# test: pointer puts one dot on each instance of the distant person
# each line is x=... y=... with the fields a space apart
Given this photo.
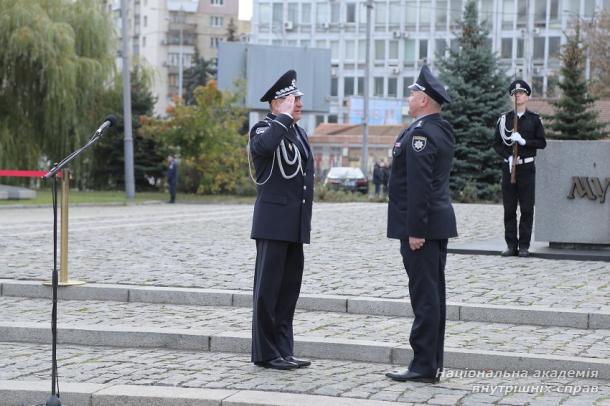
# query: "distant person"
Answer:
x=529 y=137
x=385 y=168
x=377 y=178
x=172 y=177
x=421 y=216
x=281 y=223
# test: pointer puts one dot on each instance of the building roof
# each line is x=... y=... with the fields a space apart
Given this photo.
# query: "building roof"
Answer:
x=347 y=134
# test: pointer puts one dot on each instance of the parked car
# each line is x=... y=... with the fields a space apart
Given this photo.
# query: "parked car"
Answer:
x=348 y=179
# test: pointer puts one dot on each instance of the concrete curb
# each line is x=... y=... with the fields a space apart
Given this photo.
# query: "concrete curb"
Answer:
x=307 y=346
x=532 y=315
x=19 y=393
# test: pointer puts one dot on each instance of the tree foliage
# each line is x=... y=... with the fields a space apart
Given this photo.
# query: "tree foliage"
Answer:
x=107 y=169
x=55 y=57
x=197 y=75
x=212 y=153
x=478 y=91
x=574 y=117
x=597 y=34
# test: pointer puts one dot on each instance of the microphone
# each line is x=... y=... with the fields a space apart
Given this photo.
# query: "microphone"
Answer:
x=109 y=121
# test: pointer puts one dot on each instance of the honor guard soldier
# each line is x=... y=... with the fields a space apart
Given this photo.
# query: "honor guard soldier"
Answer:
x=421 y=216
x=281 y=223
x=519 y=133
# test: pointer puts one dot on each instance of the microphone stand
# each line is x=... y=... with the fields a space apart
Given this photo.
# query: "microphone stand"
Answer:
x=53 y=399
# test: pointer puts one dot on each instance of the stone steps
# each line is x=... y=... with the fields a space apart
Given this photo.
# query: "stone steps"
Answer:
x=319 y=334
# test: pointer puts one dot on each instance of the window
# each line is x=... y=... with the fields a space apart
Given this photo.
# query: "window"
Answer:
x=406 y=82
x=487 y=12
x=215 y=41
x=348 y=87
x=508 y=14
x=334 y=83
x=278 y=16
x=335 y=8
x=362 y=51
x=410 y=14
x=519 y=48
x=539 y=48
x=264 y=12
x=145 y=21
x=350 y=13
x=540 y=13
x=554 y=47
x=506 y=50
x=306 y=13
x=172 y=80
x=423 y=48
x=456 y=11
x=395 y=12
x=379 y=49
x=360 y=86
x=589 y=8
x=393 y=49
x=322 y=13
x=424 y=15
x=293 y=12
x=305 y=43
x=537 y=85
x=392 y=87
x=350 y=49
x=441 y=47
x=522 y=13
x=334 y=50
x=378 y=88
x=441 y=15
x=216 y=2
x=143 y=41
x=409 y=51
x=216 y=21
x=380 y=11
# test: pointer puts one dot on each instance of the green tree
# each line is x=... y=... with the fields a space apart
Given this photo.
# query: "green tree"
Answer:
x=55 y=57
x=477 y=88
x=107 y=164
x=574 y=117
x=232 y=35
x=197 y=75
x=213 y=154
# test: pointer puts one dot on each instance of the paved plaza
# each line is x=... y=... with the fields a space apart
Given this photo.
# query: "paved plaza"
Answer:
x=205 y=250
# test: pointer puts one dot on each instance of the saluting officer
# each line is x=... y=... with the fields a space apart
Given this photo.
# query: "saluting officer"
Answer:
x=529 y=137
x=421 y=216
x=281 y=224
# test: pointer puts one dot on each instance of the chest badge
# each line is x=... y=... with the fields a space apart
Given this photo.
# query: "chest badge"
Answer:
x=418 y=142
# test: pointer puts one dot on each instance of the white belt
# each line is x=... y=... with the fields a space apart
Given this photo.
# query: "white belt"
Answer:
x=523 y=160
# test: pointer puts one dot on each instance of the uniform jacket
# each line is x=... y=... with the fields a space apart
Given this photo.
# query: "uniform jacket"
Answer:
x=531 y=129
x=420 y=205
x=282 y=210
x=172 y=172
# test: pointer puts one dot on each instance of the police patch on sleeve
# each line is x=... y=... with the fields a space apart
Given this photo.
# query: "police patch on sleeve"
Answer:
x=418 y=142
x=261 y=130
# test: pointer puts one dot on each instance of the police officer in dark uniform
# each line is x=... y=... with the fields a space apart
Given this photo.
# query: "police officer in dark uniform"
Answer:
x=172 y=177
x=281 y=224
x=529 y=138
x=421 y=216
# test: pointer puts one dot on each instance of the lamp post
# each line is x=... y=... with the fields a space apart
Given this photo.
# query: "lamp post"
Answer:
x=364 y=163
x=130 y=189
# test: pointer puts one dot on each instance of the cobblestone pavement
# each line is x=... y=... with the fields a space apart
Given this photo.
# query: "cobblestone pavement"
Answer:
x=324 y=377
x=208 y=246
x=474 y=336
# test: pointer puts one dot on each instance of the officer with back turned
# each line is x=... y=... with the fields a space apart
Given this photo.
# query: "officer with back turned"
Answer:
x=281 y=224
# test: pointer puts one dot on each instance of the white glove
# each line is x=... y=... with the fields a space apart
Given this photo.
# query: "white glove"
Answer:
x=518 y=138
x=510 y=164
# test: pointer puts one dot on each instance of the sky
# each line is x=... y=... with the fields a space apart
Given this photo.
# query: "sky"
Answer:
x=245 y=9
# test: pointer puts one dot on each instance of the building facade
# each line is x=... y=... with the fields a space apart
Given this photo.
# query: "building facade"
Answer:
x=167 y=34
x=526 y=34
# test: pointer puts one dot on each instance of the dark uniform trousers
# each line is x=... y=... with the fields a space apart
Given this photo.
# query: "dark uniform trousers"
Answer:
x=277 y=284
x=523 y=193
x=426 y=270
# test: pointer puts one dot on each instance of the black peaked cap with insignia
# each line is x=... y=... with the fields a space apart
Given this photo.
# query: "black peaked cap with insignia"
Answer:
x=285 y=86
x=519 y=85
x=429 y=84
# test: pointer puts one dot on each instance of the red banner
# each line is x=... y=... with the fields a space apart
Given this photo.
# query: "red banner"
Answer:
x=23 y=174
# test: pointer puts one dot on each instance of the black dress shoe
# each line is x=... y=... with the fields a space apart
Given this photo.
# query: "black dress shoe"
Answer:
x=403 y=375
x=300 y=362
x=524 y=253
x=509 y=252
x=277 y=363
